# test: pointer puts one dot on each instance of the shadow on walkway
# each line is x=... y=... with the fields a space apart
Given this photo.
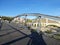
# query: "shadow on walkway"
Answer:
x=17 y=39
x=7 y=33
x=17 y=30
x=35 y=38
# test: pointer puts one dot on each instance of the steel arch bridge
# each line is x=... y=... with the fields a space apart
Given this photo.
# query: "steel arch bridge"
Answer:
x=39 y=16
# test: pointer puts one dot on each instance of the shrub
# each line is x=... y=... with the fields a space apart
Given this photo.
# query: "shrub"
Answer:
x=48 y=31
x=57 y=34
x=28 y=27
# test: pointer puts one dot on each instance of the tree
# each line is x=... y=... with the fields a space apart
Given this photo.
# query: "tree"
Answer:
x=29 y=20
x=7 y=18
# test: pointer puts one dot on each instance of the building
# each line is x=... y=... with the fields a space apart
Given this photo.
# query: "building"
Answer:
x=18 y=20
x=45 y=22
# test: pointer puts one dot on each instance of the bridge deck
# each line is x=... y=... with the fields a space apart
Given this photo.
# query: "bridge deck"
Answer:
x=12 y=34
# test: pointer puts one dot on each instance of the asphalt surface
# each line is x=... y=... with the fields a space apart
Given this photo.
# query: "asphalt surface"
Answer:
x=16 y=34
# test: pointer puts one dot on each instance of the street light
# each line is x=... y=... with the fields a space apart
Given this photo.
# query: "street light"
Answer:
x=39 y=23
x=25 y=19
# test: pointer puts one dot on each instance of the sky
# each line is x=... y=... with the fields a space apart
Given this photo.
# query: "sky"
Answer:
x=16 y=7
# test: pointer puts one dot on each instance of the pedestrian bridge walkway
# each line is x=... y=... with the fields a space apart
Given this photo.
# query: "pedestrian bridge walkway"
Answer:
x=11 y=34
x=18 y=34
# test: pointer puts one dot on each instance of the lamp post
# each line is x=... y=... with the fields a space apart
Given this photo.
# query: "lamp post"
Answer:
x=39 y=23
x=25 y=19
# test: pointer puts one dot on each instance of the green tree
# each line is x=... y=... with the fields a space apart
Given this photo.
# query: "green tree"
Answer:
x=29 y=20
x=7 y=18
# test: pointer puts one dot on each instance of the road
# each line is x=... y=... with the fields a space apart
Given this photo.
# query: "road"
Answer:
x=12 y=34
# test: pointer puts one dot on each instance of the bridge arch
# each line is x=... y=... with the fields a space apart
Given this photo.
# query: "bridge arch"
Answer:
x=39 y=17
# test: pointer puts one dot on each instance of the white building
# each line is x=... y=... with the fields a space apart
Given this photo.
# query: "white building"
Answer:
x=18 y=20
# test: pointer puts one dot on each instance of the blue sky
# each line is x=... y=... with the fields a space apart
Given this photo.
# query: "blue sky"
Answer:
x=15 y=7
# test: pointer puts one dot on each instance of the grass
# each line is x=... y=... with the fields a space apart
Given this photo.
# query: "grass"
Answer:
x=56 y=36
x=48 y=31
